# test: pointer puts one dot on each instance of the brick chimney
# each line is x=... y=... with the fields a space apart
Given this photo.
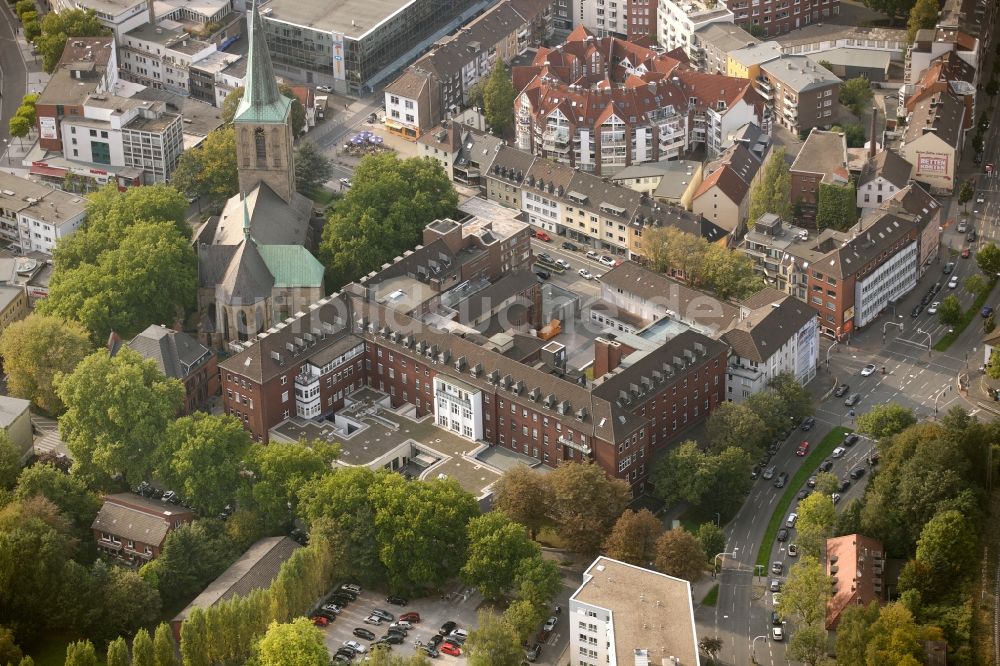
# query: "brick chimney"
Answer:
x=871 y=136
x=152 y=12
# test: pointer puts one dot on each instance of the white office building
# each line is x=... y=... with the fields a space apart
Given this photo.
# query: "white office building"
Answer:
x=679 y=19
x=894 y=278
x=458 y=407
x=34 y=216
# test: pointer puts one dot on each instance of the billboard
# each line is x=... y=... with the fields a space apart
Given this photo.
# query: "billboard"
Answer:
x=47 y=128
x=932 y=164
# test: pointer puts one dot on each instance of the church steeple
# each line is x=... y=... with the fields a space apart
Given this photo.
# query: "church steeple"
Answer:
x=262 y=101
x=263 y=121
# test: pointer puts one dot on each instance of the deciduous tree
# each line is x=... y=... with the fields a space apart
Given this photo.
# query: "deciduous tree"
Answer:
x=733 y=424
x=298 y=643
x=312 y=168
x=977 y=285
x=679 y=554
x=117 y=654
x=143 y=653
x=837 y=207
x=498 y=100
x=585 y=504
x=538 y=581
x=803 y=598
x=10 y=462
x=493 y=643
x=57 y=27
x=69 y=493
x=202 y=458
x=798 y=405
x=817 y=516
x=965 y=194
x=497 y=546
x=35 y=350
x=117 y=410
x=279 y=471
x=771 y=408
x=127 y=602
x=885 y=420
x=827 y=483
x=712 y=539
x=10 y=652
x=80 y=653
x=209 y=170
x=988 y=259
x=894 y=8
x=895 y=638
x=947 y=545
x=808 y=645
x=633 y=538
x=523 y=617
x=950 y=310
x=164 y=647
x=383 y=214
x=18 y=126
x=524 y=495
x=854 y=632
x=729 y=274
x=856 y=95
x=923 y=14
x=772 y=194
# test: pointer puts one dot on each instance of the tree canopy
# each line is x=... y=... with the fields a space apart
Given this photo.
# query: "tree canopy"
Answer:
x=679 y=554
x=804 y=595
x=312 y=168
x=117 y=410
x=278 y=472
x=633 y=538
x=497 y=546
x=494 y=642
x=524 y=495
x=923 y=14
x=209 y=170
x=817 y=516
x=585 y=504
x=297 y=643
x=383 y=214
x=856 y=94
x=988 y=259
x=498 y=99
x=715 y=483
x=57 y=27
x=729 y=274
x=837 y=207
x=885 y=420
x=736 y=425
x=772 y=194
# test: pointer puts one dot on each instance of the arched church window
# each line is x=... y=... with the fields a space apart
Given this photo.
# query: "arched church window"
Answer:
x=260 y=145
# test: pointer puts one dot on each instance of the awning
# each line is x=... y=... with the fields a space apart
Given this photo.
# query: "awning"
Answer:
x=52 y=172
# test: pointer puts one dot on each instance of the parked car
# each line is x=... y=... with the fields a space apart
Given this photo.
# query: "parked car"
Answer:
x=325 y=89
x=542 y=274
x=777 y=634
x=917 y=309
x=327 y=614
x=447 y=627
x=398 y=630
x=841 y=390
x=435 y=640
x=550 y=623
x=364 y=633
x=412 y=617
x=845 y=483
x=768 y=473
x=868 y=370
x=934 y=307
x=807 y=423
x=775 y=585
x=341 y=659
x=533 y=653
x=563 y=264
x=385 y=615
x=802 y=494
x=835 y=497
x=373 y=620
x=838 y=452
x=347 y=652
x=826 y=465
x=396 y=601
x=429 y=650
x=948 y=268
x=790 y=521
x=401 y=624
x=987 y=311
x=460 y=634
x=775 y=619
x=793 y=550
x=607 y=261
x=811 y=482
x=755 y=472
x=803 y=449
x=351 y=591
x=777 y=568
x=333 y=608
x=857 y=472
x=593 y=256
x=781 y=480
x=852 y=399
x=585 y=274
x=953 y=282
x=356 y=646
x=542 y=236
x=320 y=620
x=963 y=226
x=782 y=535
x=451 y=648
x=850 y=440
x=544 y=256
x=393 y=638
x=966 y=252
x=971 y=236
x=569 y=246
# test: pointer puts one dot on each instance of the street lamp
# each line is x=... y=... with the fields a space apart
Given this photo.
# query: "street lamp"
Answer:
x=715 y=559
x=718 y=515
x=753 y=648
x=830 y=349
x=923 y=332
x=891 y=323
x=6 y=149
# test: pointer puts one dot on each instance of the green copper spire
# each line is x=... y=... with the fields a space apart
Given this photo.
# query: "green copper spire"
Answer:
x=262 y=101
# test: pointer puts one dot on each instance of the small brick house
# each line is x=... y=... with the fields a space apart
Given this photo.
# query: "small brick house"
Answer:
x=133 y=528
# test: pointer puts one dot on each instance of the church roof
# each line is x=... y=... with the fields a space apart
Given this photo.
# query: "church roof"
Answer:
x=247 y=279
x=262 y=101
x=292 y=266
x=272 y=220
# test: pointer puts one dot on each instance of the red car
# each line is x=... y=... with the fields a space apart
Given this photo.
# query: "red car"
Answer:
x=542 y=236
x=803 y=449
x=320 y=621
x=409 y=617
x=450 y=648
x=965 y=253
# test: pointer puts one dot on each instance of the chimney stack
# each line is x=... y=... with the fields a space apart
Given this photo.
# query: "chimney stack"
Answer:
x=152 y=12
x=871 y=139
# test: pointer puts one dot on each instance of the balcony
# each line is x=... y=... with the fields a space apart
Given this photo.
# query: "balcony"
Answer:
x=582 y=448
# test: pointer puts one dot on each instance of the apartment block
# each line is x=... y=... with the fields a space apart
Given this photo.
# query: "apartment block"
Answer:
x=33 y=217
x=711 y=45
x=802 y=94
x=768 y=19
x=933 y=138
x=161 y=55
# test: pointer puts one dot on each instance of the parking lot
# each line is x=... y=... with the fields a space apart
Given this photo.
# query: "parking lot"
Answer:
x=459 y=607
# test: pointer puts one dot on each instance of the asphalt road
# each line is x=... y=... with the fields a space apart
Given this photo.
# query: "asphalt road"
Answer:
x=13 y=75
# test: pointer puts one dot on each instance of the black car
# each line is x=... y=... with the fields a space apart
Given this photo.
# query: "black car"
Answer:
x=429 y=650
x=845 y=483
x=857 y=472
x=971 y=236
x=808 y=423
x=436 y=640
x=775 y=619
x=448 y=627
x=781 y=480
x=927 y=298
x=393 y=638
x=364 y=633
x=802 y=494
x=826 y=465
x=851 y=440
x=812 y=481
x=341 y=659
x=340 y=599
x=398 y=630
x=346 y=652
x=350 y=594
x=569 y=246
x=936 y=288
x=917 y=309
x=841 y=390
x=396 y=601
x=546 y=258
x=782 y=535
x=543 y=275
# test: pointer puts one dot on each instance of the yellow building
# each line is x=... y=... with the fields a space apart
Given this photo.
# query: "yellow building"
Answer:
x=13 y=305
x=745 y=63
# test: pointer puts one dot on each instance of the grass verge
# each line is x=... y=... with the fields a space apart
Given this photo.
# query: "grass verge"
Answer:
x=967 y=317
x=809 y=465
x=694 y=518
x=712 y=597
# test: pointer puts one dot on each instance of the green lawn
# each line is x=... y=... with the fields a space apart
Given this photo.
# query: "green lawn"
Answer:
x=967 y=318
x=712 y=597
x=322 y=196
x=694 y=518
x=809 y=465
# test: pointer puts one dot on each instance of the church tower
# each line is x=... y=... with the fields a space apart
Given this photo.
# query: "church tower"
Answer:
x=263 y=122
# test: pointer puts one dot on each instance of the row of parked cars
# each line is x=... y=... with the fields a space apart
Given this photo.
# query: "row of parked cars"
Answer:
x=339 y=599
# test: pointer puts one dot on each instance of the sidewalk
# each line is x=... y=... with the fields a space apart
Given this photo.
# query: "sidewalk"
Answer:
x=35 y=81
